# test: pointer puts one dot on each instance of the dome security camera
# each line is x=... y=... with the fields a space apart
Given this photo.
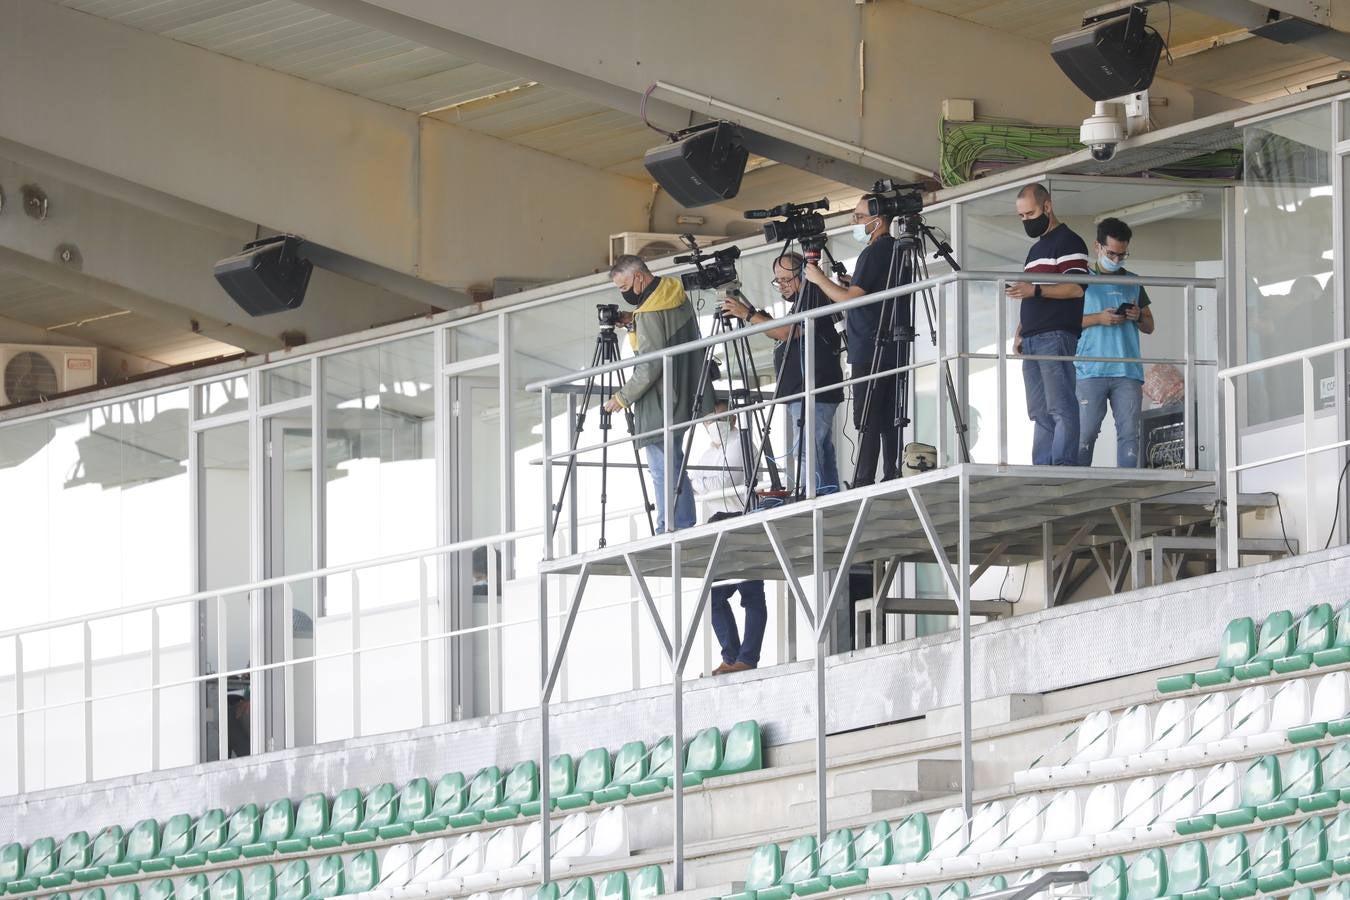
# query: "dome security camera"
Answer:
x=1101 y=132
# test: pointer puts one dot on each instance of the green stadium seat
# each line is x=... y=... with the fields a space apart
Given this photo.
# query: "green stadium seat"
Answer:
x=243 y=829
x=1338 y=843
x=800 y=864
x=838 y=863
x=991 y=884
x=703 y=757
x=1316 y=630
x=922 y=893
x=39 y=863
x=1336 y=771
x=1147 y=877
x=362 y=872
x=912 y=839
x=1270 y=860
x=260 y=883
x=1276 y=641
x=593 y=773
x=311 y=820
x=485 y=792
x=159 y=889
x=1108 y=881
x=1236 y=647
x=325 y=877
x=72 y=856
x=414 y=803
x=11 y=864
x=764 y=872
x=649 y=882
x=1188 y=873
x=1230 y=867
x=229 y=885
x=348 y=810
x=549 y=891
x=195 y=887
x=1308 y=851
x=449 y=801
x=293 y=881
x=581 y=889
x=613 y=886
x=278 y=821
x=206 y=835
x=522 y=786
x=744 y=751
x=381 y=806
x=1300 y=775
x=1338 y=652
x=1260 y=785
x=142 y=845
x=174 y=840
x=1338 y=891
x=126 y=892
x=957 y=890
x=660 y=769
x=875 y=846
x=561 y=779
x=108 y=848
x=94 y=894
x=630 y=765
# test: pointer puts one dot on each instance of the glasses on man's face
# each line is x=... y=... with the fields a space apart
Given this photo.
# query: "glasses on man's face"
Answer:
x=861 y=217
x=783 y=281
x=1116 y=257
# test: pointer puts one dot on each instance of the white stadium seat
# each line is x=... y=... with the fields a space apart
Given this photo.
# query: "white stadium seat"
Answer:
x=1101 y=812
x=1131 y=736
x=1219 y=790
x=1331 y=699
x=501 y=850
x=1180 y=797
x=609 y=835
x=1171 y=731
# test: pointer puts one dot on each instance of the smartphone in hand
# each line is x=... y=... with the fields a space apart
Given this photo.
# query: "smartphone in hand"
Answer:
x=1123 y=308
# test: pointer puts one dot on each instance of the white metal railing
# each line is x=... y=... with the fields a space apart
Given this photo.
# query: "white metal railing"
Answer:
x=1234 y=466
x=671 y=431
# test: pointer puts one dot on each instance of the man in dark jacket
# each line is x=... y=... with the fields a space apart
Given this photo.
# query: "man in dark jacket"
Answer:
x=664 y=318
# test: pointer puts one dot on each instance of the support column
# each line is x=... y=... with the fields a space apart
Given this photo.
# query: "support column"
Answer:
x=677 y=699
x=822 y=578
x=963 y=602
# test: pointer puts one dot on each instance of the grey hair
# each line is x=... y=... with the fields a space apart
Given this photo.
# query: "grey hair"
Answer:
x=1036 y=191
x=628 y=264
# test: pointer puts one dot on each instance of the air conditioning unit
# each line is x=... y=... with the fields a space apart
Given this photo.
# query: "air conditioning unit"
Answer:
x=31 y=372
x=654 y=246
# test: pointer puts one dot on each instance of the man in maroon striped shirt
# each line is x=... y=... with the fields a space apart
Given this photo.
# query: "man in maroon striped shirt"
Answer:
x=1051 y=320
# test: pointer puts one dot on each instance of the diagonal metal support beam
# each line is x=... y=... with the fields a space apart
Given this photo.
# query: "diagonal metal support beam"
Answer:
x=934 y=540
x=794 y=583
x=555 y=665
x=989 y=559
x=841 y=575
x=695 y=620
x=648 y=602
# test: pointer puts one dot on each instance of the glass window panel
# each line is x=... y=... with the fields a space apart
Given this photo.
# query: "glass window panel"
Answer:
x=286 y=382
x=228 y=395
x=472 y=339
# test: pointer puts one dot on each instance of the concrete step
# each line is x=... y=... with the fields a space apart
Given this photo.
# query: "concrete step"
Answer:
x=985 y=713
x=859 y=803
x=922 y=778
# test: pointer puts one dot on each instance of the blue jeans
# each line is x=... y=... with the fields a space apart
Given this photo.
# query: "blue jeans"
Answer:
x=827 y=463
x=1051 y=401
x=724 y=621
x=684 y=500
x=1126 y=397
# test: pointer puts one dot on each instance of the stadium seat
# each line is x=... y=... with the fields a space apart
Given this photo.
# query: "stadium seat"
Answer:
x=1022 y=829
x=141 y=847
x=1101 y=812
x=1147 y=876
x=1236 y=647
x=108 y=849
x=1330 y=707
x=207 y=834
x=1250 y=721
x=1092 y=743
x=1171 y=731
x=72 y=855
x=522 y=786
x=465 y=857
x=1219 y=792
x=613 y=886
x=571 y=838
x=988 y=827
x=608 y=835
x=800 y=864
x=228 y=885
x=400 y=865
x=1276 y=641
x=1179 y=799
x=1260 y=785
x=11 y=864
x=630 y=765
x=660 y=770
x=957 y=890
x=949 y=834
x=1131 y=736
x=1315 y=633
x=347 y=813
x=912 y=839
x=1270 y=860
x=1108 y=880
x=1210 y=726
x=649 y=882
x=260 y=883
x=1061 y=820
x=311 y=820
x=92 y=894
x=1308 y=851
x=549 y=891
x=703 y=756
x=450 y=796
x=1338 y=843
x=380 y=808
x=1230 y=868
x=580 y=889
x=1339 y=651
x=836 y=866
x=194 y=887
x=412 y=806
x=593 y=773
x=1138 y=813
x=875 y=846
x=1188 y=872
x=326 y=878
x=293 y=881
x=744 y=749
x=484 y=792
x=764 y=872
x=361 y=873
x=241 y=830
x=1336 y=772
x=562 y=775
x=278 y=821
x=159 y=889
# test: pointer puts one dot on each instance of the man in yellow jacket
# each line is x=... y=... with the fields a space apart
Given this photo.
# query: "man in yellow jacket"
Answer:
x=664 y=318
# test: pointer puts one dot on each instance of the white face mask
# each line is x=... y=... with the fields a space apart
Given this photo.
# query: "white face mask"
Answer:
x=719 y=433
x=861 y=232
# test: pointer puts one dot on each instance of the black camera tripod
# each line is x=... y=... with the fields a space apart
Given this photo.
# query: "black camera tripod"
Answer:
x=753 y=421
x=896 y=328
x=609 y=382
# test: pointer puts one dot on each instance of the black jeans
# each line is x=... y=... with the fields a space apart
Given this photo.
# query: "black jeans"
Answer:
x=878 y=435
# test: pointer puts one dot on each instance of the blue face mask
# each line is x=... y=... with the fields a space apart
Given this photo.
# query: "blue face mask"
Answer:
x=1107 y=264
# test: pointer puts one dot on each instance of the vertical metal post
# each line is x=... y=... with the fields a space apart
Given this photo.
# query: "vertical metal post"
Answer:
x=1048 y=562
x=1136 y=533
x=668 y=446
x=288 y=649
x=545 y=798
x=356 y=654
x=222 y=683
x=1188 y=381
x=1309 y=441
x=1338 y=312
x=677 y=698
x=961 y=302
x=822 y=592
x=423 y=645
x=963 y=601
x=19 y=719
x=1001 y=376
x=87 y=670
x=1230 y=451
x=154 y=690
x=939 y=374
x=808 y=429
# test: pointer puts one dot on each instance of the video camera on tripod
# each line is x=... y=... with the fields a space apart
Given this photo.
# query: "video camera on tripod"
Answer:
x=711 y=270
x=802 y=222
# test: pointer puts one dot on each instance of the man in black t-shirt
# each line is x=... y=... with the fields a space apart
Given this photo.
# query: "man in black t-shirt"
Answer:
x=788 y=358
x=874 y=406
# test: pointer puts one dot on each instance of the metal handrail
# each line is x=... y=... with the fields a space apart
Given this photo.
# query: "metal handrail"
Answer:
x=1284 y=359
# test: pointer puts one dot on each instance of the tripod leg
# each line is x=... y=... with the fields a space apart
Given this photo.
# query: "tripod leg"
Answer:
x=597 y=358
x=704 y=379
x=647 y=505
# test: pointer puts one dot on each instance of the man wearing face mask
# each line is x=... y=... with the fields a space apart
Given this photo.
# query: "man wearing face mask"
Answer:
x=878 y=435
x=1113 y=317
x=664 y=318
x=1050 y=322
x=789 y=356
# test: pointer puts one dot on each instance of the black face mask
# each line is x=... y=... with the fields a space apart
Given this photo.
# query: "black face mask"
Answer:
x=637 y=298
x=633 y=298
x=1037 y=226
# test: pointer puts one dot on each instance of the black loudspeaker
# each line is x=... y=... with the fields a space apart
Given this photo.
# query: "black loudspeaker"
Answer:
x=704 y=166
x=1112 y=58
x=267 y=276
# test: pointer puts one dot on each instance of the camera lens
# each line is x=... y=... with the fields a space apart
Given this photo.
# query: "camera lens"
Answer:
x=794 y=228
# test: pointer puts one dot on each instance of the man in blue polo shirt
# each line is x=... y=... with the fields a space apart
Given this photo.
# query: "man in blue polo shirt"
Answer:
x=1051 y=319
x=1113 y=317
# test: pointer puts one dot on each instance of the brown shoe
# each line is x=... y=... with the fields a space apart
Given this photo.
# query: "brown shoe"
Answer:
x=723 y=669
x=738 y=666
